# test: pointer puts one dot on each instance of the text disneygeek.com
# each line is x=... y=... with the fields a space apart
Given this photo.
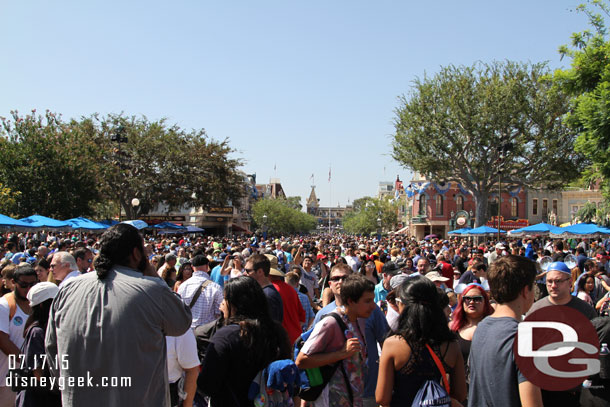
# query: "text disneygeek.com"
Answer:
x=18 y=362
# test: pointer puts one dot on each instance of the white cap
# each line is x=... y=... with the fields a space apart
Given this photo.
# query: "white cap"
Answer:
x=500 y=246
x=435 y=276
x=41 y=292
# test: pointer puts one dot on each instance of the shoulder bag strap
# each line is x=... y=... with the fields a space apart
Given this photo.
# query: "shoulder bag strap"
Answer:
x=198 y=293
x=343 y=328
x=440 y=368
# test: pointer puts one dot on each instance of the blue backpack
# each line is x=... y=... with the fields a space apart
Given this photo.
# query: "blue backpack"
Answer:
x=314 y=380
x=431 y=393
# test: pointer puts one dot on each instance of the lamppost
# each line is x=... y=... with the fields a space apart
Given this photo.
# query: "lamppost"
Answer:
x=502 y=151
x=379 y=227
x=265 y=226
x=135 y=202
x=119 y=137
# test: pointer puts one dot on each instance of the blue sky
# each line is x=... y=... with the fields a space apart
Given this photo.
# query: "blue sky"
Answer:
x=294 y=85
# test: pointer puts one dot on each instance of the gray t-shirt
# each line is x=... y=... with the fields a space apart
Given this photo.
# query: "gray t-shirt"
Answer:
x=575 y=302
x=494 y=376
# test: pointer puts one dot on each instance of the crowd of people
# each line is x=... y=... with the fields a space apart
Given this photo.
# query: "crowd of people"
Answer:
x=192 y=319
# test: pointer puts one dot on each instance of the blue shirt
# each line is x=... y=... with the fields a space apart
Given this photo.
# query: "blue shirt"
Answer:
x=380 y=292
x=309 y=314
x=376 y=328
x=217 y=278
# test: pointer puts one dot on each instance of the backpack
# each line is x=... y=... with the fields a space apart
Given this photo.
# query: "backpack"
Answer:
x=431 y=393
x=314 y=380
x=204 y=333
x=275 y=385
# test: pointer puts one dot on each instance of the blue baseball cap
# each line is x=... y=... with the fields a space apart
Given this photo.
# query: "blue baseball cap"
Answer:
x=559 y=266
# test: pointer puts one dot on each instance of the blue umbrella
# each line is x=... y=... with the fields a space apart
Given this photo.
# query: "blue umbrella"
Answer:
x=168 y=225
x=483 y=231
x=8 y=221
x=108 y=222
x=538 y=229
x=38 y=221
x=581 y=230
x=138 y=224
x=459 y=231
x=87 y=224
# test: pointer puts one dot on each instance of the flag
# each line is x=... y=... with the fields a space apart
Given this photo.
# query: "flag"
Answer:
x=328 y=174
x=311 y=178
x=274 y=167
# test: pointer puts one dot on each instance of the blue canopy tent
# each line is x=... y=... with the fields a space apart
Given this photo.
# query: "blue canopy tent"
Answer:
x=108 y=222
x=538 y=229
x=7 y=221
x=169 y=225
x=138 y=224
x=85 y=224
x=459 y=231
x=581 y=230
x=188 y=229
x=38 y=221
x=483 y=231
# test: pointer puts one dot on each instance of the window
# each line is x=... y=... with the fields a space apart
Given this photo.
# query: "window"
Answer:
x=545 y=207
x=439 y=205
x=555 y=210
x=514 y=208
x=422 y=204
x=534 y=207
x=459 y=203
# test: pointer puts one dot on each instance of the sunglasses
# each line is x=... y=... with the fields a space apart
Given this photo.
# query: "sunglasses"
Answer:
x=23 y=284
x=248 y=271
x=476 y=298
x=338 y=278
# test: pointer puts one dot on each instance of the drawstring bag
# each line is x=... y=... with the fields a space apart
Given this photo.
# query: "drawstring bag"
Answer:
x=431 y=393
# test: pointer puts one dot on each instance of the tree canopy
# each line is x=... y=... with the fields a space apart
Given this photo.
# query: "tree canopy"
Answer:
x=83 y=167
x=362 y=219
x=282 y=218
x=588 y=82
x=465 y=124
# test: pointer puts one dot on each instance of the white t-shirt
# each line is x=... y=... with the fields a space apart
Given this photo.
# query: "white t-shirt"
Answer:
x=181 y=354
x=14 y=329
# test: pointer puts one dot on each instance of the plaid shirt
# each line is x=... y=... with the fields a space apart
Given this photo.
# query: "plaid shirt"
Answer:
x=206 y=308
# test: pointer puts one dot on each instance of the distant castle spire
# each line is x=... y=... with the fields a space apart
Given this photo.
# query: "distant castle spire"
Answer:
x=312 y=201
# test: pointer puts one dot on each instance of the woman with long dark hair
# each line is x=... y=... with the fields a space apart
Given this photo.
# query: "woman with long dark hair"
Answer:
x=184 y=273
x=40 y=296
x=406 y=362
x=369 y=270
x=248 y=342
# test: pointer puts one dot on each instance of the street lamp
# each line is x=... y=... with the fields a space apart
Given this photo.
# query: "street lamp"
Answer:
x=265 y=226
x=379 y=227
x=119 y=137
x=135 y=202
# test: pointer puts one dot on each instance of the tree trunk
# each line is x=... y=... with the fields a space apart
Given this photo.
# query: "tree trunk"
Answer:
x=480 y=201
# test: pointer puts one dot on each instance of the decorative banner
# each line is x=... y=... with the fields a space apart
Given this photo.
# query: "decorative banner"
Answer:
x=462 y=190
x=440 y=190
x=423 y=188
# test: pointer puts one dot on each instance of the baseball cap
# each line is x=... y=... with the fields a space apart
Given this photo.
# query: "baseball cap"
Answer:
x=199 y=260
x=435 y=276
x=41 y=292
x=500 y=246
x=559 y=266
x=398 y=280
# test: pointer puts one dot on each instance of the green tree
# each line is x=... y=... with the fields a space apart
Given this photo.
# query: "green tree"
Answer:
x=588 y=82
x=363 y=218
x=50 y=163
x=8 y=200
x=281 y=218
x=467 y=123
x=162 y=165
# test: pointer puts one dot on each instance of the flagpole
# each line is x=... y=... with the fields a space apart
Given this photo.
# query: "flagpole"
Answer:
x=330 y=191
